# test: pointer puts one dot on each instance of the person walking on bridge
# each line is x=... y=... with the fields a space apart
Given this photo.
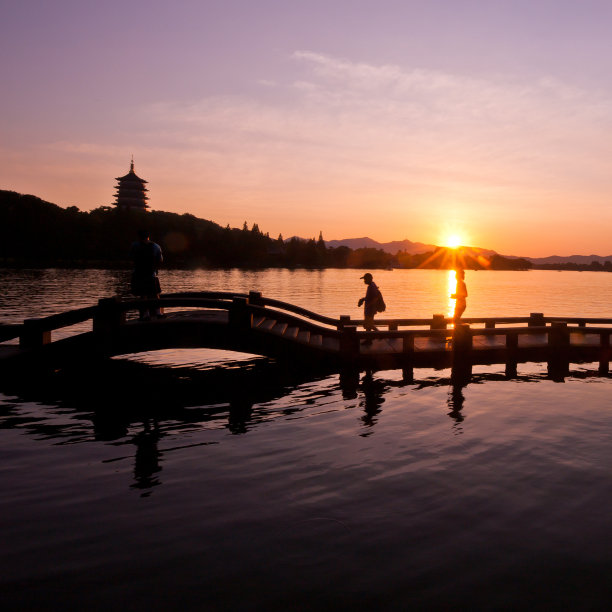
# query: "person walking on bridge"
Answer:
x=370 y=302
x=460 y=295
x=147 y=257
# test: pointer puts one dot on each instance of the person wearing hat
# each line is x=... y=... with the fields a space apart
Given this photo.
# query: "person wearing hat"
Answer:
x=370 y=302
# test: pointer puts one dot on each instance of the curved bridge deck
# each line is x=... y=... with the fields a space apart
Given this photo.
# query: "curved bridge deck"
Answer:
x=251 y=323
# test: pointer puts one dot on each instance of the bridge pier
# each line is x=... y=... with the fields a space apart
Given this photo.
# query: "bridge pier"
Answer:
x=558 y=342
x=408 y=359
x=461 y=368
x=349 y=344
x=511 y=355
x=604 y=353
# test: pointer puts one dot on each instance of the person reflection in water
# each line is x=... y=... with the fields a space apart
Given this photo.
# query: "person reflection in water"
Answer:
x=373 y=392
x=147 y=456
x=460 y=295
x=147 y=257
x=370 y=301
x=455 y=403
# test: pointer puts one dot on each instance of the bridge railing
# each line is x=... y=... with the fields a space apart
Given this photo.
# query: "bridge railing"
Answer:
x=37 y=331
x=112 y=311
x=437 y=321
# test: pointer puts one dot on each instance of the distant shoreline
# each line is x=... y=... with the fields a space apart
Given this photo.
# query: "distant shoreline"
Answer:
x=127 y=266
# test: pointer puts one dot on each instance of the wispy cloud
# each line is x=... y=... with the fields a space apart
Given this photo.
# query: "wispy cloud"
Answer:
x=378 y=123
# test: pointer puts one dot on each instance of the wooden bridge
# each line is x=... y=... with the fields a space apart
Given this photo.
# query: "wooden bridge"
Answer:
x=251 y=323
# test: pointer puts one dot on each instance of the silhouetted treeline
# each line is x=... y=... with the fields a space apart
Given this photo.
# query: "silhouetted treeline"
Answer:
x=594 y=266
x=464 y=257
x=40 y=234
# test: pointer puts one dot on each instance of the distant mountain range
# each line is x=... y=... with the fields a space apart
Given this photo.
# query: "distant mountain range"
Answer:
x=393 y=247
x=414 y=248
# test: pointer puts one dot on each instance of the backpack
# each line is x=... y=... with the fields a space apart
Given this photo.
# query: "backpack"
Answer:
x=380 y=303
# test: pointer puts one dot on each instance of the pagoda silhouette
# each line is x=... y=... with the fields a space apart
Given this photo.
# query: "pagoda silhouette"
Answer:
x=131 y=191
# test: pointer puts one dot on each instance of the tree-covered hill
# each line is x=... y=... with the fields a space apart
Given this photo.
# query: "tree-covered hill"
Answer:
x=36 y=233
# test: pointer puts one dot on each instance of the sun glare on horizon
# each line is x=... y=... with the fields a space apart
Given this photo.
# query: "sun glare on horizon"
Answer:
x=453 y=241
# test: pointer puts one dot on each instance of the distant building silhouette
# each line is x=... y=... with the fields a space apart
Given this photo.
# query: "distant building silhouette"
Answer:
x=131 y=191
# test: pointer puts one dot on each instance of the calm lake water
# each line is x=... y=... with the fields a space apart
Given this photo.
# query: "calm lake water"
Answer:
x=201 y=480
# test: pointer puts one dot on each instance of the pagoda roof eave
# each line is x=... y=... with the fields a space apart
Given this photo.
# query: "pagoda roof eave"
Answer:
x=131 y=176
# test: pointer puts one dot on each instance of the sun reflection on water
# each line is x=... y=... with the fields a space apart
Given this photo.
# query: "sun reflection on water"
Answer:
x=451 y=283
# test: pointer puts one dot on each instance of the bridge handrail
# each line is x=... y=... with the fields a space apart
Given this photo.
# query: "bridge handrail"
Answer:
x=49 y=323
x=448 y=332
x=495 y=331
x=257 y=300
x=174 y=302
x=214 y=295
x=339 y=323
x=10 y=331
x=309 y=314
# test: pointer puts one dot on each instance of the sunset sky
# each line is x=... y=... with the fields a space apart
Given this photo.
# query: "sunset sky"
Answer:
x=487 y=119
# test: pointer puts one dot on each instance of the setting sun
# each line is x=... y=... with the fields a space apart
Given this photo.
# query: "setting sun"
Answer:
x=453 y=241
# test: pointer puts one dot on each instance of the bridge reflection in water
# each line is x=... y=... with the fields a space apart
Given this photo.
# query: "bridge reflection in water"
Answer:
x=236 y=399
x=307 y=341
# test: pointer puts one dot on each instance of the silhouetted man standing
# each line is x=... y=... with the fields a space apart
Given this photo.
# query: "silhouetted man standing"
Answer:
x=147 y=257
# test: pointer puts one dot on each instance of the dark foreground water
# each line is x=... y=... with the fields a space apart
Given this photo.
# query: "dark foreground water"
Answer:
x=237 y=486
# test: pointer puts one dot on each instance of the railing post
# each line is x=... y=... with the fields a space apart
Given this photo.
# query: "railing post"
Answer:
x=511 y=355
x=254 y=297
x=489 y=324
x=461 y=369
x=536 y=319
x=345 y=320
x=558 y=348
x=408 y=359
x=604 y=352
x=33 y=334
x=240 y=317
x=438 y=322
x=108 y=316
x=393 y=326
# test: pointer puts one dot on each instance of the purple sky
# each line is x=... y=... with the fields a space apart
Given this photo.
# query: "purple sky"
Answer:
x=393 y=119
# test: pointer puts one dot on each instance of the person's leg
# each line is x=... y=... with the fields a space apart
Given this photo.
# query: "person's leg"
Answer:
x=144 y=314
x=368 y=324
x=459 y=310
x=159 y=313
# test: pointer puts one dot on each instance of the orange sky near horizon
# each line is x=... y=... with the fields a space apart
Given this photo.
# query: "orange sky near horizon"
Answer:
x=393 y=124
x=540 y=225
